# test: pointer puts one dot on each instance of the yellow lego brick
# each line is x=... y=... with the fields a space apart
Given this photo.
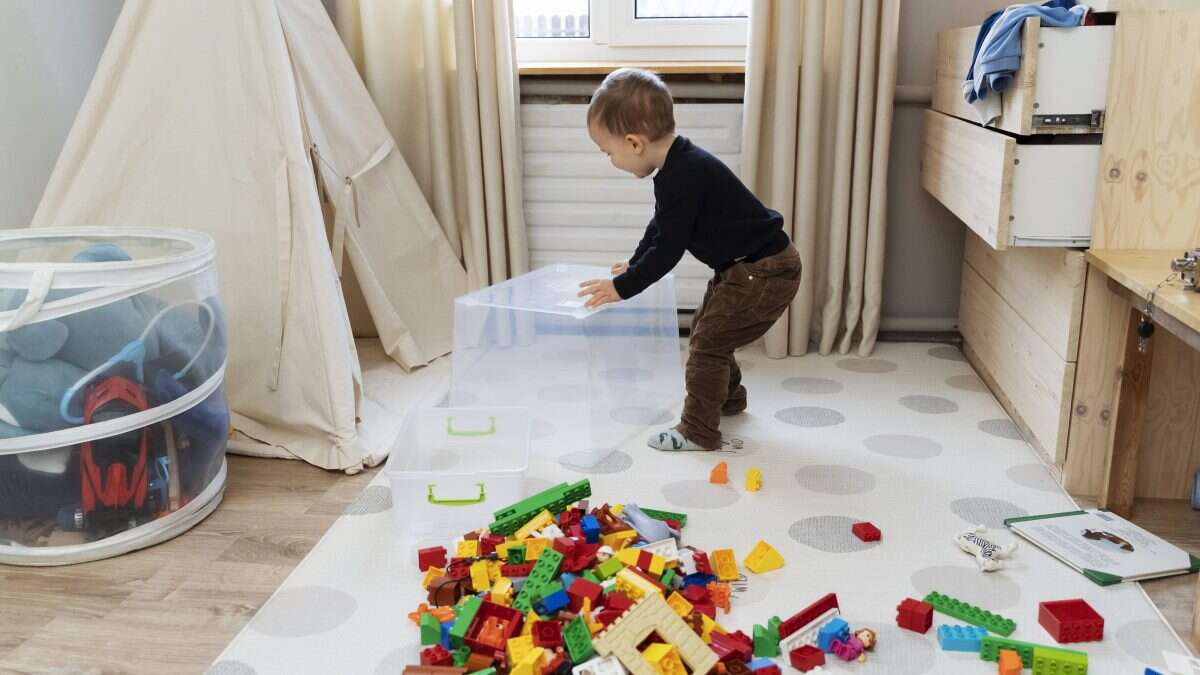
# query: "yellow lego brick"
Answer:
x=502 y=549
x=618 y=540
x=708 y=627
x=763 y=558
x=680 y=604
x=467 y=548
x=593 y=625
x=617 y=509
x=629 y=556
x=664 y=658
x=479 y=576
x=518 y=647
x=431 y=574
x=725 y=564
x=534 y=548
x=536 y=523
x=530 y=664
x=502 y=591
x=753 y=480
x=527 y=625
x=629 y=583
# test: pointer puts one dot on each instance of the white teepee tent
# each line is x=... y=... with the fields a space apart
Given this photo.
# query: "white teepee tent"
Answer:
x=248 y=121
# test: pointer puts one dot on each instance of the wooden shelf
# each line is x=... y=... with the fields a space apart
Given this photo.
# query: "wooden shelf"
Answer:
x=660 y=67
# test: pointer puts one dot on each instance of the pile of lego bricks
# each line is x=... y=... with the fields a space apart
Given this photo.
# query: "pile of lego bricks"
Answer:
x=552 y=587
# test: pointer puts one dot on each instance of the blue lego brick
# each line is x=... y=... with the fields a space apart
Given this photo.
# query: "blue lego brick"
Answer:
x=591 y=529
x=567 y=579
x=551 y=603
x=1151 y=671
x=698 y=580
x=446 y=635
x=760 y=662
x=960 y=638
x=837 y=629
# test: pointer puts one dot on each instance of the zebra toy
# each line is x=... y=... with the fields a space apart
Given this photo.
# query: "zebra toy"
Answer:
x=988 y=554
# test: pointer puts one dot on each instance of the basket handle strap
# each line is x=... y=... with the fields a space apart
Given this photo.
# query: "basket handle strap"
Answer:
x=39 y=287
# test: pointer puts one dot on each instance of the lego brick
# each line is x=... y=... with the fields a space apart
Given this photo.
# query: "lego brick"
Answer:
x=547 y=634
x=467 y=548
x=1009 y=663
x=732 y=645
x=809 y=614
x=581 y=589
x=609 y=665
x=635 y=585
x=991 y=645
x=719 y=474
x=679 y=604
x=430 y=575
x=554 y=500
x=489 y=542
x=1053 y=661
x=766 y=640
x=1071 y=621
x=914 y=615
x=436 y=656
x=444 y=640
x=591 y=529
x=806 y=657
x=434 y=556
x=667 y=549
x=493 y=627
x=725 y=564
x=431 y=630
x=502 y=591
x=758 y=663
x=518 y=647
x=668 y=578
x=466 y=616
x=971 y=614
x=960 y=638
x=701 y=562
x=753 y=480
x=653 y=614
x=866 y=531
x=659 y=514
x=460 y=656
x=516 y=554
x=578 y=640
x=617 y=600
x=480 y=581
x=534 y=548
x=530 y=663
x=479 y=662
x=619 y=539
x=664 y=658
x=836 y=629
x=537 y=522
x=516 y=571
x=554 y=599
x=432 y=670
x=763 y=558
x=542 y=574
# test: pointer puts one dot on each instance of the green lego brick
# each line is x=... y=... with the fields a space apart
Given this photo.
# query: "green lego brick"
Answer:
x=544 y=571
x=659 y=514
x=461 y=655
x=516 y=554
x=1053 y=661
x=554 y=500
x=668 y=578
x=431 y=630
x=990 y=646
x=609 y=568
x=971 y=614
x=591 y=576
x=465 y=615
x=578 y=640
x=763 y=644
x=485 y=671
x=774 y=625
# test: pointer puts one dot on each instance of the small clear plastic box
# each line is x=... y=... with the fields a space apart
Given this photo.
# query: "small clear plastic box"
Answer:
x=592 y=379
x=452 y=468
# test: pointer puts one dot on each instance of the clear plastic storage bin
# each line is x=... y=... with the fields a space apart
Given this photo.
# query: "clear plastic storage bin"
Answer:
x=592 y=379
x=113 y=420
x=452 y=468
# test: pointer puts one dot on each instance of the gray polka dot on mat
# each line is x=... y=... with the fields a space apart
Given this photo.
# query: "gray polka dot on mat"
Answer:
x=1033 y=476
x=810 y=416
x=835 y=480
x=904 y=446
x=304 y=611
x=993 y=591
x=563 y=393
x=1145 y=641
x=967 y=383
x=947 y=353
x=1001 y=427
x=812 y=385
x=640 y=416
x=540 y=429
x=396 y=660
x=700 y=494
x=985 y=511
x=589 y=462
x=627 y=375
x=374 y=499
x=897 y=651
x=928 y=405
x=230 y=667
x=867 y=365
x=830 y=534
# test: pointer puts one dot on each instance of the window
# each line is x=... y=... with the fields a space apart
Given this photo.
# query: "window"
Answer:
x=631 y=30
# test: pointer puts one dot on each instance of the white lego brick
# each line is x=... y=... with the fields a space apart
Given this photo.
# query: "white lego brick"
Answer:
x=664 y=548
x=609 y=665
x=807 y=634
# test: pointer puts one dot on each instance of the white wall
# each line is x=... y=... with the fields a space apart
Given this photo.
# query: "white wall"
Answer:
x=924 y=240
x=48 y=54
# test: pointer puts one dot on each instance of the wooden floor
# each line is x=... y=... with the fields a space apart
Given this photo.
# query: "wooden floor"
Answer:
x=174 y=607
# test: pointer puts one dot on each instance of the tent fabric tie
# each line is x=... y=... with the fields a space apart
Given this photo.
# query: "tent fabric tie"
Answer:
x=346 y=207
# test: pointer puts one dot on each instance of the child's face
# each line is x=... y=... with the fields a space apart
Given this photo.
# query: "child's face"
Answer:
x=627 y=153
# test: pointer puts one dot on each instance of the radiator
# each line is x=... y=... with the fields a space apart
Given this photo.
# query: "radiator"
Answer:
x=580 y=209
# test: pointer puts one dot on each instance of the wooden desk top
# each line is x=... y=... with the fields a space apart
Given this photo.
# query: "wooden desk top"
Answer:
x=1141 y=270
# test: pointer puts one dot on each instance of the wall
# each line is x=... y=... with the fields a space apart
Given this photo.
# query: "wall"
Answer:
x=924 y=240
x=48 y=54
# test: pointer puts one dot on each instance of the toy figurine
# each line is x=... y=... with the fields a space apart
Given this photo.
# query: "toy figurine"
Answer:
x=867 y=637
x=988 y=554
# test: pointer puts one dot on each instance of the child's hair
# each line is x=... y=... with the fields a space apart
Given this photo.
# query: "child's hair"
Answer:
x=633 y=101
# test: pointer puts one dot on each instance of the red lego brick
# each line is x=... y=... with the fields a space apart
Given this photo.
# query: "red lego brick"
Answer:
x=809 y=614
x=734 y=645
x=492 y=627
x=914 y=615
x=1071 y=621
x=768 y=670
x=696 y=593
x=582 y=588
x=459 y=572
x=700 y=559
x=434 y=556
x=489 y=542
x=617 y=600
x=547 y=634
x=565 y=546
x=866 y=531
x=584 y=555
x=806 y=657
x=607 y=616
x=555 y=665
x=436 y=656
x=707 y=608
x=521 y=570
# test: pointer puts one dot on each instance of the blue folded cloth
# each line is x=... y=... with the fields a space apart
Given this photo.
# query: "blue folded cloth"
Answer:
x=998 y=50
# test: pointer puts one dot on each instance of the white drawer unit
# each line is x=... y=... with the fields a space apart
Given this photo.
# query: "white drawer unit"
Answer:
x=1061 y=86
x=1009 y=191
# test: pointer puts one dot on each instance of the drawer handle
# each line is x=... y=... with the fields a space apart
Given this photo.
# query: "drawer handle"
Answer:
x=491 y=429
x=456 y=502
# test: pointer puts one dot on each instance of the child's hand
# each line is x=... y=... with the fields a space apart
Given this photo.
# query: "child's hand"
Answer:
x=602 y=292
x=619 y=268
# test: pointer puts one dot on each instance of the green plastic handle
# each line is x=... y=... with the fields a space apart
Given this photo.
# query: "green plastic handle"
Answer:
x=457 y=502
x=485 y=432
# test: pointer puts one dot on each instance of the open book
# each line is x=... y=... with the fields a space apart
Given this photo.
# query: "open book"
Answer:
x=1103 y=546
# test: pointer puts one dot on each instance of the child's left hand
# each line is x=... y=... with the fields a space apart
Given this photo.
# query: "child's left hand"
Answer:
x=602 y=292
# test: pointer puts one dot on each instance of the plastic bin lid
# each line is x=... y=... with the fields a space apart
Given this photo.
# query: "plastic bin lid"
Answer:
x=553 y=289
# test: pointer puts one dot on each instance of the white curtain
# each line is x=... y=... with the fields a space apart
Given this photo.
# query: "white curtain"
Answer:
x=820 y=78
x=444 y=75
